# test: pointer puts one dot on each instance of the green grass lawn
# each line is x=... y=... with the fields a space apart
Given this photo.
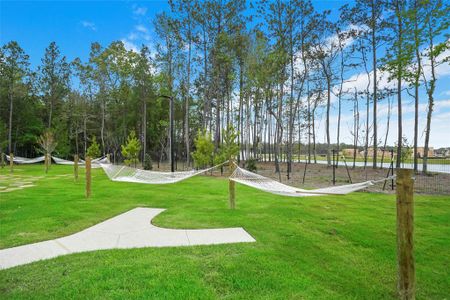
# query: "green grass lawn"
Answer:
x=328 y=247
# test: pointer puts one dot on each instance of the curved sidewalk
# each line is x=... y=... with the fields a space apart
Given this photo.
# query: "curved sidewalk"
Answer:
x=132 y=229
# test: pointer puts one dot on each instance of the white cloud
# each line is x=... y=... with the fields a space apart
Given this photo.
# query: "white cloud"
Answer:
x=141 y=28
x=360 y=81
x=139 y=10
x=89 y=25
x=133 y=36
x=130 y=46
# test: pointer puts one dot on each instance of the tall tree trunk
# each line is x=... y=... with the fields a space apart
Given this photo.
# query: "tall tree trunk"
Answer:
x=144 y=128
x=366 y=145
x=328 y=120
x=11 y=97
x=416 y=85
x=375 y=96
x=399 y=84
x=387 y=130
x=430 y=93
x=188 y=94
x=355 y=128
x=241 y=100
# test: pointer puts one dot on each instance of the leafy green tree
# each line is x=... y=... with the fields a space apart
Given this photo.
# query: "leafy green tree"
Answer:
x=204 y=150
x=54 y=75
x=436 y=23
x=13 y=68
x=229 y=149
x=94 y=149
x=131 y=149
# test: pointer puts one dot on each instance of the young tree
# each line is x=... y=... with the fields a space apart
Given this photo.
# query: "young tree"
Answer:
x=230 y=146
x=131 y=149
x=204 y=150
x=436 y=23
x=48 y=143
x=414 y=34
x=144 y=84
x=368 y=15
x=94 y=149
x=396 y=64
x=326 y=51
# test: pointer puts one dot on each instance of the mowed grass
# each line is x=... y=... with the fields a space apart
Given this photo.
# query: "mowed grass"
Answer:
x=328 y=247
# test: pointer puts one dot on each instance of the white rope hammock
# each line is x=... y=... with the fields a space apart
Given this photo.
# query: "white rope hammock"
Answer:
x=95 y=163
x=271 y=186
x=129 y=174
x=59 y=161
x=24 y=160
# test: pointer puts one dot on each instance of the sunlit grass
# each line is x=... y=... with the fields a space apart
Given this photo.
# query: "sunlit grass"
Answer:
x=330 y=247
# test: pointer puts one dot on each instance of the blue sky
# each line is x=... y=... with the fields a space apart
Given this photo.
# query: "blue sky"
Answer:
x=74 y=25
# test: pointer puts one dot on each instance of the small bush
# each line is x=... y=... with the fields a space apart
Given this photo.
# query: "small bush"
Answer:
x=250 y=165
x=94 y=149
x=148 y=164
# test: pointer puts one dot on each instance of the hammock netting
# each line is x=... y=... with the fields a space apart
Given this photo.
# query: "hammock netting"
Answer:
x=59 y=161
x=24 y=160
x=271 y=186
x=129 y=174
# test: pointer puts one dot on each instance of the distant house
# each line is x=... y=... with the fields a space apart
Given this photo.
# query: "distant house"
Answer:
x=421 y=151
x=442 y=152
x=360 y=153
x=349 y=152
x=387 y=153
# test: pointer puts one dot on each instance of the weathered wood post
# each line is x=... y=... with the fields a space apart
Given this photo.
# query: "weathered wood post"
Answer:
x=2 y=159
x=88 y=176
x=46 y=162
x=405 y=234
x=108 y=157
x=75 y=167
x=232 y=187
x=11 y=162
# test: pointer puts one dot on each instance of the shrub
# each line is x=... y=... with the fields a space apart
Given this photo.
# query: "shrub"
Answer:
x=94 y=149
x=250 y=164
x=204 y=150
x=131 y=149
x=148 y=164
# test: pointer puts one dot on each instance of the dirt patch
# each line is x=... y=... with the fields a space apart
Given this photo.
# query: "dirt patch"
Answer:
x=318 y=175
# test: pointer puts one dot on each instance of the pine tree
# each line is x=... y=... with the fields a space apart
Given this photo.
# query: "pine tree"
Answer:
x=131 y=149
x=230 y=147
x=204 y=150
x=94 y=149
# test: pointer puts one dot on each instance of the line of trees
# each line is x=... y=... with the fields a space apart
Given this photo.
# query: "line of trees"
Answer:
x=272 y=69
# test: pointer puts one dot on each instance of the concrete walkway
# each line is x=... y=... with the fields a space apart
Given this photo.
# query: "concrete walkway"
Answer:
x=132 y=229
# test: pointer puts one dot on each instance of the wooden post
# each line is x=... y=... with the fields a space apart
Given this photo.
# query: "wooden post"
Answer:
x=334 y=167
x=108 y=157
x=88 y=177
x=405 y=234
x=232 y=187
x=46 y=159
x=75 y=167
x=11 y=162
x=2 y=159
